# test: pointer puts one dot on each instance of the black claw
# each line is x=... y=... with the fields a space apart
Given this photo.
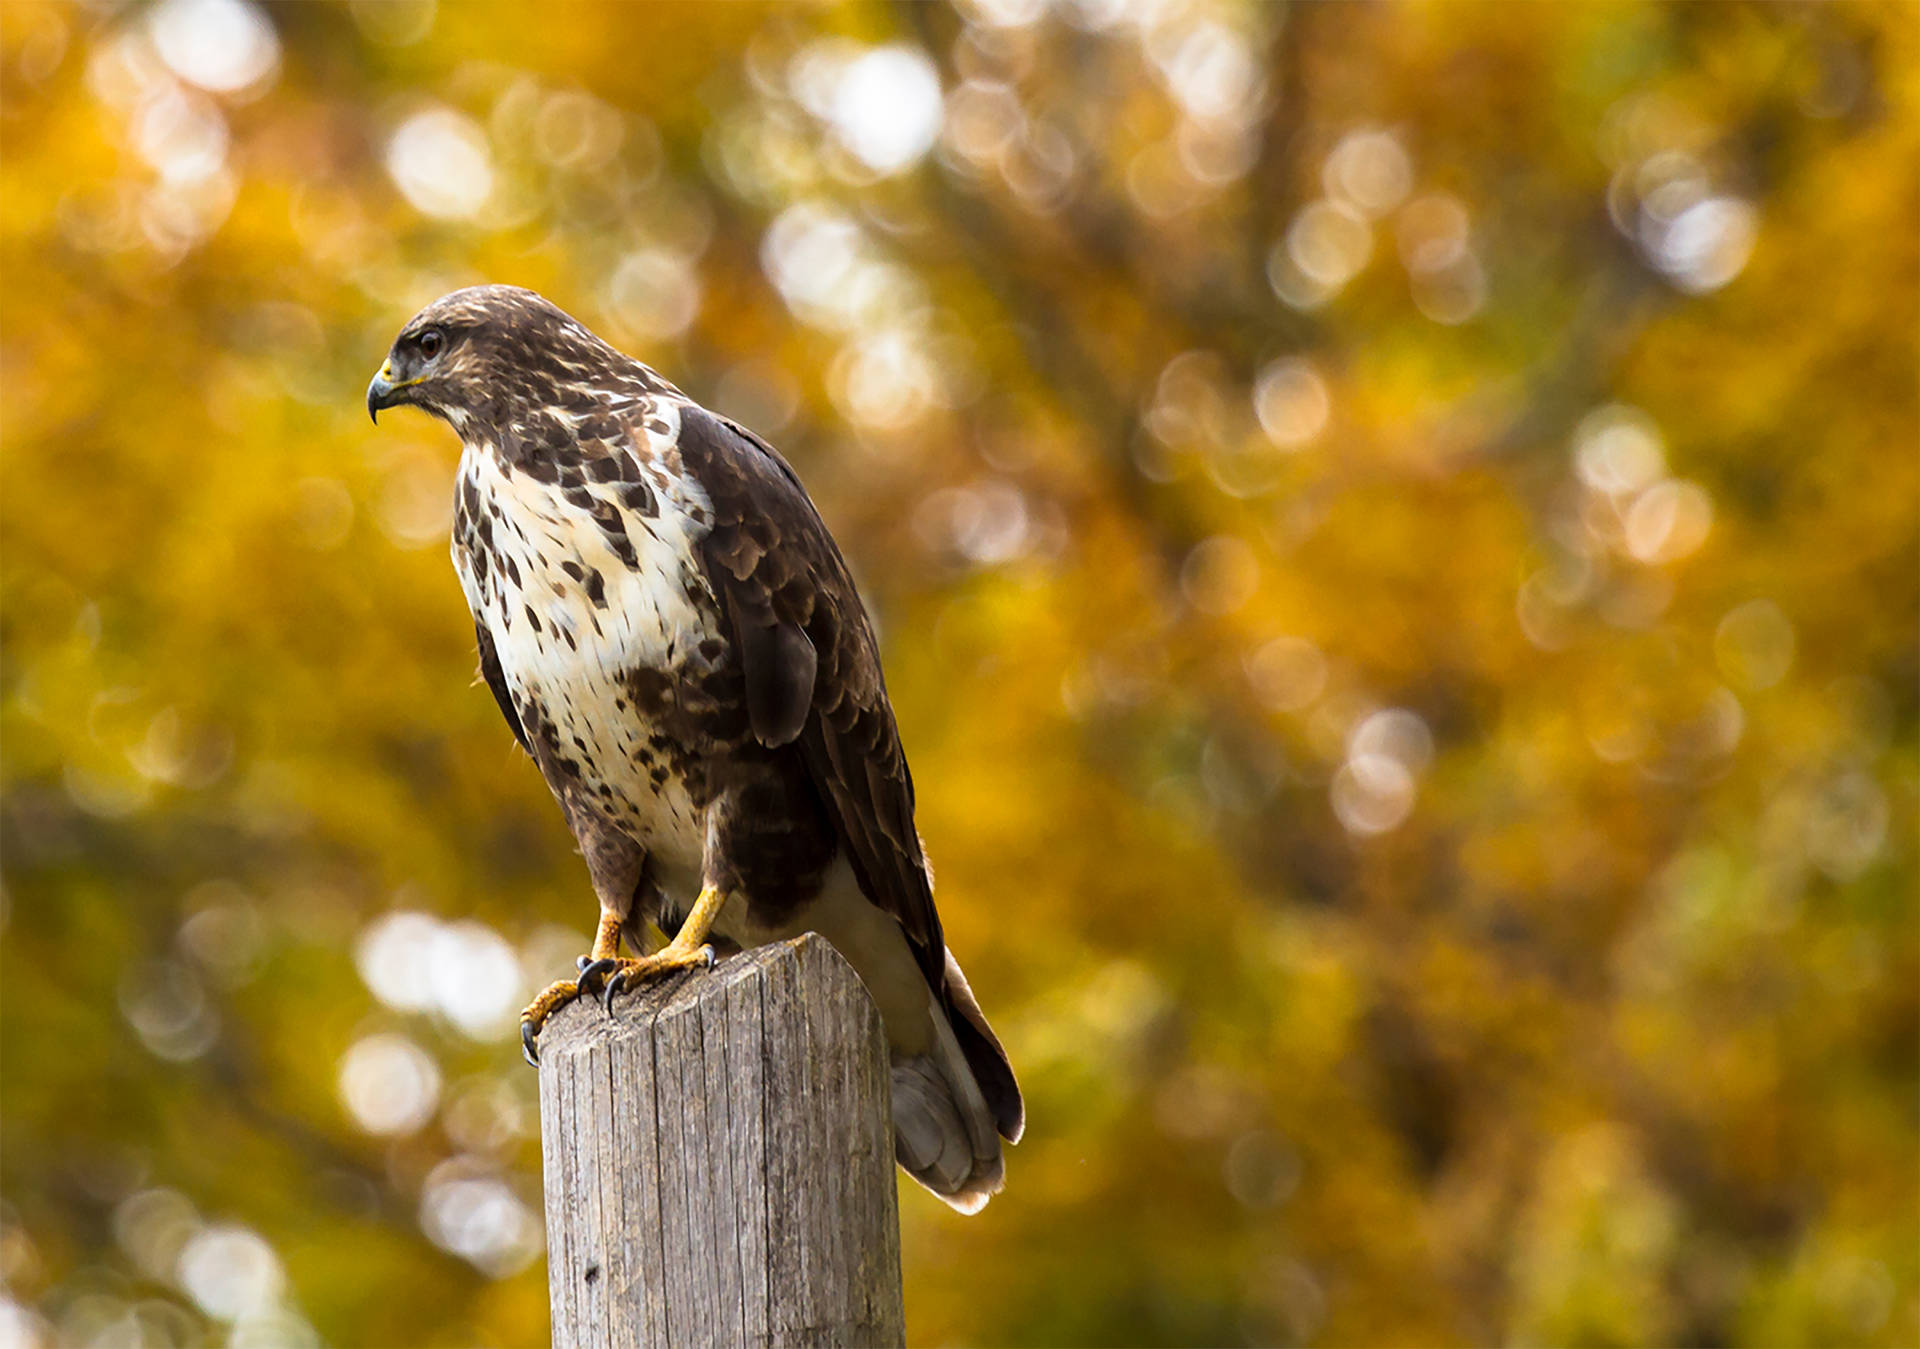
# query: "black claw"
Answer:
x=592 y=974
x=527 y=1051
x=582 y=962
x=613 y=987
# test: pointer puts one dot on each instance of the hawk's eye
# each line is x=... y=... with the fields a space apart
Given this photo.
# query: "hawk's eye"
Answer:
x=430 y=343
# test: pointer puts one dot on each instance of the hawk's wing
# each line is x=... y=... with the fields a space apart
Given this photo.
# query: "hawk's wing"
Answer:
x=497 y=682
x=812 y=665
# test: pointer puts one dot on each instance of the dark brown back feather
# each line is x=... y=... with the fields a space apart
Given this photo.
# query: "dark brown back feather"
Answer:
x=780 y=665
x=786 y=587
x=774 y=565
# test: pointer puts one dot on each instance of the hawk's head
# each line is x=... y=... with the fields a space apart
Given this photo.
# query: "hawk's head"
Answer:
x=488 y=353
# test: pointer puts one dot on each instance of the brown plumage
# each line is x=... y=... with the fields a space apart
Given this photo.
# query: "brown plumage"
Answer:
x=672 y=634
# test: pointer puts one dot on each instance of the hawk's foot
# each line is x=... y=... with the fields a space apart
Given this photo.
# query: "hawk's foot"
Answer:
x=552 y=998
x=606 y=941
x=688 y=948
x=610 y=976
x=605 y=973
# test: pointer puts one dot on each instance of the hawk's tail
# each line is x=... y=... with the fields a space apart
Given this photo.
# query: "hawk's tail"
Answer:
x=952 y=1105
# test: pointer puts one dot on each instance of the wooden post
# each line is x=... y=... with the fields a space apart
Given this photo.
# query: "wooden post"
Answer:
x=719 y=1160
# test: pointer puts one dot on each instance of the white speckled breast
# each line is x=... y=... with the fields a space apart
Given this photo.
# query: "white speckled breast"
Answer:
x=568 y=657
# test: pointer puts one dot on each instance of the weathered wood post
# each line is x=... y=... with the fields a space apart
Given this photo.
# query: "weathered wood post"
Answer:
x=719 y=1160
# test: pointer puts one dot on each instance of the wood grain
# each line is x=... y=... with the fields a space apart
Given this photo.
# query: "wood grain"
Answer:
x=719 y=1160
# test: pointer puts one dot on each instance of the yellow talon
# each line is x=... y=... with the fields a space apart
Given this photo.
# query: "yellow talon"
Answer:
x=624 y=973
x=553 y=997
x=607 y=972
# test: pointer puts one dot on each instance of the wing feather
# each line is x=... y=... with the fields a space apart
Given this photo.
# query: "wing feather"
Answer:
x=785 y=585
x=497 y=682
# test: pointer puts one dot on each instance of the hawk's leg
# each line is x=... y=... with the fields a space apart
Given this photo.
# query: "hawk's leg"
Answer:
x=688 y=948
x=606 y=944
x=623 y=886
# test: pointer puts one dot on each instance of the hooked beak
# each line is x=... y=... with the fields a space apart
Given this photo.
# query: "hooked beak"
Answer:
x=385 y=391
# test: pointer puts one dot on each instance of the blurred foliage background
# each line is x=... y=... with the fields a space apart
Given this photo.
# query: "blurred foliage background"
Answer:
x=1394 y=528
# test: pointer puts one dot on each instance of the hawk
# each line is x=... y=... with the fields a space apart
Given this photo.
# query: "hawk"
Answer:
x=673 y=636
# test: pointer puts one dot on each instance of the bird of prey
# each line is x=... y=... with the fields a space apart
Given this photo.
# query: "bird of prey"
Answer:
x=673 y=636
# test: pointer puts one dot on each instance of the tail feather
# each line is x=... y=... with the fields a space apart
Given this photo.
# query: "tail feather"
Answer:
x=991 y=1071
x=946 y=1134
x=934 y=1145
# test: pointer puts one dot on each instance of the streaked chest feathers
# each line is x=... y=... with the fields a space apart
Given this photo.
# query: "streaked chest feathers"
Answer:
x=583 y=571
